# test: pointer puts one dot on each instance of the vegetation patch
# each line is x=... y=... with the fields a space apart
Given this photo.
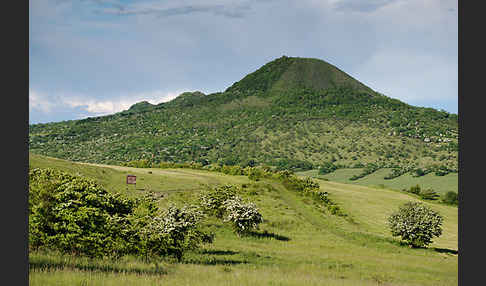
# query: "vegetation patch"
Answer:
x=294 y=245
x=416 y=224
x=292 y=113
x=75 y=215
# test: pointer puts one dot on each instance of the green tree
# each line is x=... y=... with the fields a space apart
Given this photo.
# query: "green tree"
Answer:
x=451 y=198
x=416 y=224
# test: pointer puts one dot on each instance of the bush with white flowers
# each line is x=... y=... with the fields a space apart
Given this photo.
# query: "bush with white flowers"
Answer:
x=212 y=201
x=172 y=233
x=244 y=216
x=416 y=224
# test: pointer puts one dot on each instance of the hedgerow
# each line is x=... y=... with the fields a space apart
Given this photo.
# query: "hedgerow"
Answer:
x=307 y=187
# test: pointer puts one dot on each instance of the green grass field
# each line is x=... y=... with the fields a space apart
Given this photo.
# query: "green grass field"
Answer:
x=296 y=244
x=441 y=184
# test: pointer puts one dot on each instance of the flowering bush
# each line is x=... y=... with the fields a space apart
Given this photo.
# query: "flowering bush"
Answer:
x=212 y=201
x=243 y=216
x=416 y=224
x=171 y=233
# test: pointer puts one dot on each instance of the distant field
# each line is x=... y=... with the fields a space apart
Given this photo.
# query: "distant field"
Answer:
x=441 y=184
x=370 y=207
x=169 y=182
x=302 y=246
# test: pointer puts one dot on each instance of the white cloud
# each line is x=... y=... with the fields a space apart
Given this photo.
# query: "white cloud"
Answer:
x=109 y=106
x=40 y=102
x=56 y=102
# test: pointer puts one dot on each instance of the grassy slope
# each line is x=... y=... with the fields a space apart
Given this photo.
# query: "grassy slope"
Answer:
x=304 y=247
x=441 y=184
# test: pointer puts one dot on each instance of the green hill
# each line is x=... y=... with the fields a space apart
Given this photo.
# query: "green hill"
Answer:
x=292 y=113
x=298 y=243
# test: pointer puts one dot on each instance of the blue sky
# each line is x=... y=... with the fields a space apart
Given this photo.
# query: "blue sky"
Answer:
x=97 y=57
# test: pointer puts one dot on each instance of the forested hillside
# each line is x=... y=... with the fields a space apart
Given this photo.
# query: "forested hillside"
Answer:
x=292 y=113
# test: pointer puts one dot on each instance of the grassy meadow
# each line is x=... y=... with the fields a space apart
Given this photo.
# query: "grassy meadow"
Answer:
x=297 y=244
x=441 y=184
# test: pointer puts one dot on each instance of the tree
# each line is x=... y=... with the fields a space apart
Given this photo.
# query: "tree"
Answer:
x=418 y=173
x=451 y=198
x=416 y=224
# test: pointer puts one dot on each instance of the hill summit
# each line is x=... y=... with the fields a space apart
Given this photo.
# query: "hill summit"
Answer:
x=288 y=73
x=296 y=113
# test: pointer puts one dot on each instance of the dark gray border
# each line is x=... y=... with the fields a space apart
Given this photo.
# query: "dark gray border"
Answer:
x=15 y=159
x=471 y=126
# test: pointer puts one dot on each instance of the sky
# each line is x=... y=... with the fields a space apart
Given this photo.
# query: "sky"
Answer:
x=97 y=57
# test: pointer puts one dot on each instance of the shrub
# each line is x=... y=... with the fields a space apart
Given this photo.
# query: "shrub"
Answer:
x=254 y=173
x=326 y=168
x=415 y=189
x=243 y=216
x=428 y=194
x=416 y=224
x=418 y=172
x=284 y=174
x=142 y=163
x=300 y=185
x=334 y=209
x=293 y=165
x=359 y=165
x=441 y=170
x=249 y=163
x=172 y=233
x=397 y=172
x=451 y=198
x=368 y=169
x=212 y=201
x=214 y=167
x=75 y=215
x=232 y=170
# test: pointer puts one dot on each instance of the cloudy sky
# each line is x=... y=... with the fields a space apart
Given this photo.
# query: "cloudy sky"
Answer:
x=97 y=57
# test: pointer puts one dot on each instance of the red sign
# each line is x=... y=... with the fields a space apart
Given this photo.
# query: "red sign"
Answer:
x=131 y=179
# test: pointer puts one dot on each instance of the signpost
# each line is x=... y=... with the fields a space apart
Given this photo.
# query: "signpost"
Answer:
x=132 y=179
